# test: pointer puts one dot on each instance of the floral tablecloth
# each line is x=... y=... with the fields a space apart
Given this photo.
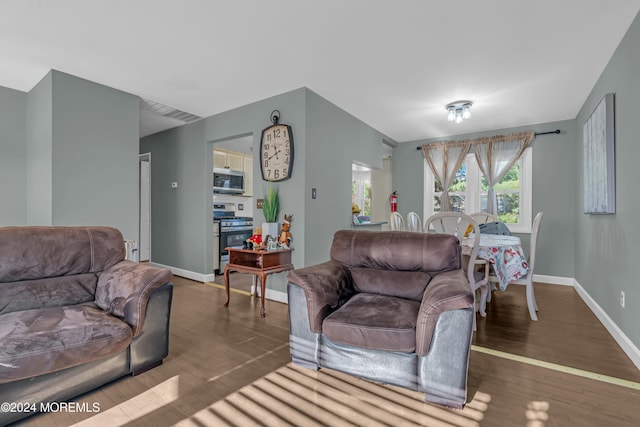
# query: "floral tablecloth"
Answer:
x=503 y=252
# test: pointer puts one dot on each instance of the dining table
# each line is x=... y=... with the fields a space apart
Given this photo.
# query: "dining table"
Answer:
x=503 y=252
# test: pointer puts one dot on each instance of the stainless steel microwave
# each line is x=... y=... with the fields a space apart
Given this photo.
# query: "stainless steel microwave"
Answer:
x=228 y=181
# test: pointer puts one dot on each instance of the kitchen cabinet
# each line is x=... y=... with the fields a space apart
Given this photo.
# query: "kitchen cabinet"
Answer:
x=228 y=159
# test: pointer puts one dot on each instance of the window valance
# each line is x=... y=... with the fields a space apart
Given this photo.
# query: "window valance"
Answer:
x=495 y=156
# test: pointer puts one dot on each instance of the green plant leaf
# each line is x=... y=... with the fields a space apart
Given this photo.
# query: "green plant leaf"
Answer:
x=271 y=204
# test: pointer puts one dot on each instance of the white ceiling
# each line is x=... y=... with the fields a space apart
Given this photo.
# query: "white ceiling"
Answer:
x=392 y=64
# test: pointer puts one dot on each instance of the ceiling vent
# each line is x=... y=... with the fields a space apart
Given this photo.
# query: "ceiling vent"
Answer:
x=169 y=112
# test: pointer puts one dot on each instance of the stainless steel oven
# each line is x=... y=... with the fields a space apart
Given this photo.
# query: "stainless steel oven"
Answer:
x=229 y=231
x=234 y=232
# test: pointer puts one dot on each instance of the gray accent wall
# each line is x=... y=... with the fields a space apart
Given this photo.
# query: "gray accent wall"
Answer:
x=326 y=139
x=606 y=245
x=39 y=161
x=82 y=155
x=554 y=171
x=13 y=152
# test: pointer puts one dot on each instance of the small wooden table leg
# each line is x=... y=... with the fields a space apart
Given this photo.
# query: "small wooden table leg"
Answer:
x=263 y=283
x=226 y=284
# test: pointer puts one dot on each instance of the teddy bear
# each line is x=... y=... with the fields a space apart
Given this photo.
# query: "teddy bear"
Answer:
x=256 y=239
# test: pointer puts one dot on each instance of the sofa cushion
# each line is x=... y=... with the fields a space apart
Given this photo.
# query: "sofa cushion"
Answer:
x=36 y=342
x=28 y=253
x=403 y=284
x=396 y=250
x=374 y=321
x=50 y=292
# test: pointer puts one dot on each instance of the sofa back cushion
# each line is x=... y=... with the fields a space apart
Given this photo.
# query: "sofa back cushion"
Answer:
x=51 y=292
x=395 y=263
x=31 y=253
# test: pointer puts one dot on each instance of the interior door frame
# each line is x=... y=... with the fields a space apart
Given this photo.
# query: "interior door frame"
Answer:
x=145 y=157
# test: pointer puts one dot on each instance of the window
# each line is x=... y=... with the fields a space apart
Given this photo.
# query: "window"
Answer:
x=361 y=191
x=468 y=193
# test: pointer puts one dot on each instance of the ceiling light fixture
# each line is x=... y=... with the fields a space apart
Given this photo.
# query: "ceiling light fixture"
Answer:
x=459 y=111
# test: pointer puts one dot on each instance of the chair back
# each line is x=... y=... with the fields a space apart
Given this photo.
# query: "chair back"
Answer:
x=396 y=221
x=414 y=223
x=394 y=263
x=534 y=241
x=483 y=217
x=456 y=224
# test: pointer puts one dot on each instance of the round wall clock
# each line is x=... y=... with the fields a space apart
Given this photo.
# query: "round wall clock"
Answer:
x=276 y=150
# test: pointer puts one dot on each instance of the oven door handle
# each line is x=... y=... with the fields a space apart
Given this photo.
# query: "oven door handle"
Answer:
x=232 y=229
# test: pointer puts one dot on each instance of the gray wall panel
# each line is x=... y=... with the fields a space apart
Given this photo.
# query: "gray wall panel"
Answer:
x=13 y=152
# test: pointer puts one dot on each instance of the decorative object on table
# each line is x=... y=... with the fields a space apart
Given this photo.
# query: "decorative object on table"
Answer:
x=271 y=243
x=355 y=209
x=271 y=211
x=285 y=235
x=256 y=239
x=599 y=159
x=276 y=150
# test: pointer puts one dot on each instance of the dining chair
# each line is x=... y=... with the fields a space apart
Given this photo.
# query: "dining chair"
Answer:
x=483 y=217
x=457 y=223
x=527 y=280
x=414 y=223
x=396 y=221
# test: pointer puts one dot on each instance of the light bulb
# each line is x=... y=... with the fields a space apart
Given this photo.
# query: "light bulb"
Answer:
x=458 y=116
x=466 y=111
x=452 y=114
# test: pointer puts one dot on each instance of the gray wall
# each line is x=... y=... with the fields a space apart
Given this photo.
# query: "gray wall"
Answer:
x=606 y=245
x=95 y=171
x=335 y=139
x=178 y=231
x=13 y=152
x=326 y=140
x=554 y=169
x=182 y=219
x=80 y=158
x=39 y=162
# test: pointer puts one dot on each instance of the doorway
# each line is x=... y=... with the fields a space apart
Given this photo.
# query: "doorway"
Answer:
x=144 y=244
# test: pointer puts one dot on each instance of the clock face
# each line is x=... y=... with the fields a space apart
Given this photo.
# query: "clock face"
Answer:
x=276 y=153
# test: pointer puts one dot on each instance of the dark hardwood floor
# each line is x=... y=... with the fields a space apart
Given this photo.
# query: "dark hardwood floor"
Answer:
x=230 y=367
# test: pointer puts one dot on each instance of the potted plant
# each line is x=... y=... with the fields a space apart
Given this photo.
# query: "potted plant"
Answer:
x=271 y=211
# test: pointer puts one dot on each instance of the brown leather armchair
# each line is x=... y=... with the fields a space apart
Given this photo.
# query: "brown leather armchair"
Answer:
x=394 y=307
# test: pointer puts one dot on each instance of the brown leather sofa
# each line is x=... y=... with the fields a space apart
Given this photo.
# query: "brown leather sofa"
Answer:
x=394 y=307
x=74 y=314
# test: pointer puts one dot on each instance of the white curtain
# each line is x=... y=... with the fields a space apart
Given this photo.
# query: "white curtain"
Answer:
x=444 y=159
x=495 y=156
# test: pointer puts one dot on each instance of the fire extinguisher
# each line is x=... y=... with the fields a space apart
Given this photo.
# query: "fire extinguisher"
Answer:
x=393 y=201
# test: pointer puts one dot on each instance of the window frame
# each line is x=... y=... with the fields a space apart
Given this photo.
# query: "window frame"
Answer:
x=473 y=198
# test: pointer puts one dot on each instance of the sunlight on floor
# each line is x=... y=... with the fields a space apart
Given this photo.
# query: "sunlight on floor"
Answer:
x=537 y=413
x=138 y=406
x=293 y=396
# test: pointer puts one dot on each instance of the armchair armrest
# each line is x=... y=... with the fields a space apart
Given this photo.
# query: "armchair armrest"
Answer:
x=326 y=286
x=124 y=289
x=449 y=290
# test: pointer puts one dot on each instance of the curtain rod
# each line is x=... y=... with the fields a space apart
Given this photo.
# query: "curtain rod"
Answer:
x=557 y=131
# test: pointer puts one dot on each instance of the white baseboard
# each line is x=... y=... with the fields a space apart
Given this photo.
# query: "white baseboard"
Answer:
x=623 y=341
x=554 y=280
x=199 y=277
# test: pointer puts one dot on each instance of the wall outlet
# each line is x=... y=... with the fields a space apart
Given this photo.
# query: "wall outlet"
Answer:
x=622 y=299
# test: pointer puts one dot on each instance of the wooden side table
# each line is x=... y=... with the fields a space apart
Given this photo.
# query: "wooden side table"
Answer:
x=259 y=262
